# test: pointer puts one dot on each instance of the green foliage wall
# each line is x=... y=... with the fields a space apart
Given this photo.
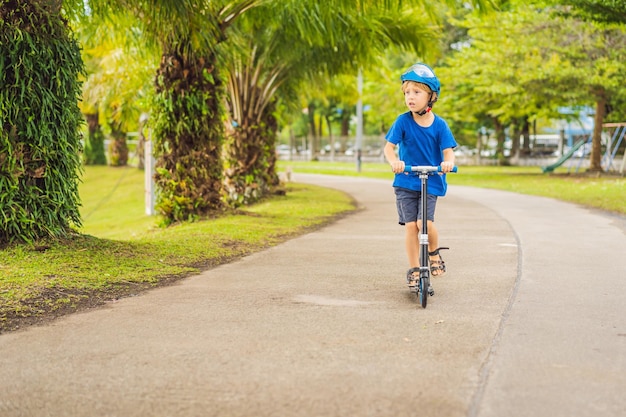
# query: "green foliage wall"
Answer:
x=39 y=118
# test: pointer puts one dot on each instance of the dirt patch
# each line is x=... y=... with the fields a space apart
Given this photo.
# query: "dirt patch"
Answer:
x=52 y=303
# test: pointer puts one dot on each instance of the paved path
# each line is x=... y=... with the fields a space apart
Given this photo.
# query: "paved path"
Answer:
x=529 y=321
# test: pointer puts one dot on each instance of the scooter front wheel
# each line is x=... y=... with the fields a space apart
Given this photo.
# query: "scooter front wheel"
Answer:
x=423 y=291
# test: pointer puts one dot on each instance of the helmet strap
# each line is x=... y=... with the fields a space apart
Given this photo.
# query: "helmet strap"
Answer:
x=428 y=107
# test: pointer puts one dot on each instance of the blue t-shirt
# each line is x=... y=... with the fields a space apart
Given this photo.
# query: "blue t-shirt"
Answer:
x=421 y=146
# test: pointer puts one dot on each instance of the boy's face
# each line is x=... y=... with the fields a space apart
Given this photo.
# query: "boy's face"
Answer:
x=415 y=97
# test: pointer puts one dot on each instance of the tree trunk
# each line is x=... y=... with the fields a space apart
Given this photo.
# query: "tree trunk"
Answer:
x=595 y=159
x=141 y=142
x=320 y=130
x=516 y=133
x=525 y=151
x=188 y=135
x=40 y=131
x=500 y=138
x=312 y=130
x=94 y=144
x=52 y=6
x=118 y=148
x=251 y=160
x=331 y=138
x=345 y=124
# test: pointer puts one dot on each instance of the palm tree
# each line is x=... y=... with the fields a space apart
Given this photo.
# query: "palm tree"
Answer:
x=187 y=112
x=272 y=59
x=40 y=120
x=120 y=76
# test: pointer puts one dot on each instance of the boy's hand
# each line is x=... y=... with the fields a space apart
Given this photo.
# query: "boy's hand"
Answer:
x=447 y=166
x=397 y=166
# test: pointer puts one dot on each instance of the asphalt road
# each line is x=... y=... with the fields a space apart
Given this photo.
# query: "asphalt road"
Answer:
x=530 y=320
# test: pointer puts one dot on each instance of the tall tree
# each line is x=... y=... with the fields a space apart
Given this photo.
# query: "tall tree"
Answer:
x=119 y=83
x=39 y=127
x=187 y=113
x=545 y=62
x=607 y=53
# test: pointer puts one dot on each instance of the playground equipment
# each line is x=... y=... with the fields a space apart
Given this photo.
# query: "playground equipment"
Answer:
x=565 y=156
x=613 y=146
x=615 y=139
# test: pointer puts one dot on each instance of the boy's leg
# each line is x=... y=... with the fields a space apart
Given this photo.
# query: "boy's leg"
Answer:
x=407 y=204
x=433 y=236
x=436 y=262
x=412 y=244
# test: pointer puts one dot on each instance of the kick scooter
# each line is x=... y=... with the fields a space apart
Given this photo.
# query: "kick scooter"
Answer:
x=422 y=287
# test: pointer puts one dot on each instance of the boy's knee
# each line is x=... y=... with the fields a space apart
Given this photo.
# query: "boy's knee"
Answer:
x=412 y=226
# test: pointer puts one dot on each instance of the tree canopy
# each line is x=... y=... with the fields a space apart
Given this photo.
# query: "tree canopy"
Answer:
x=606 y=11
x=546 y=61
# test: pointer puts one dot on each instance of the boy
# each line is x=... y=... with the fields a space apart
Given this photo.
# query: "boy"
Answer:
x=424 y=139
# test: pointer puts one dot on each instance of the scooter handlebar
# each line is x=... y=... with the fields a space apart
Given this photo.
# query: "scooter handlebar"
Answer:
x=426 y=168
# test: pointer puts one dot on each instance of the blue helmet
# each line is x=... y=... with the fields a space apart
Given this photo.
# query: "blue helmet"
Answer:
x=422 y=73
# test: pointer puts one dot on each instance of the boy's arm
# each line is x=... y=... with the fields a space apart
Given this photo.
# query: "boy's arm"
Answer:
x=397 y=165
x=448 y=160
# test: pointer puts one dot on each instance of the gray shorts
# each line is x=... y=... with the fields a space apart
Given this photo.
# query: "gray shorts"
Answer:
x=410 y=206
